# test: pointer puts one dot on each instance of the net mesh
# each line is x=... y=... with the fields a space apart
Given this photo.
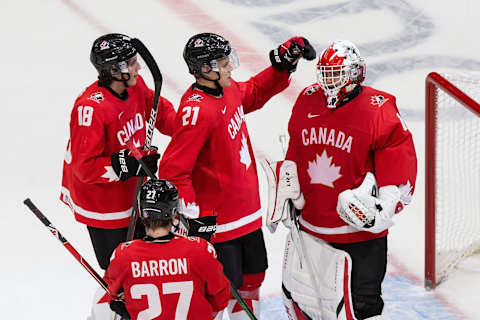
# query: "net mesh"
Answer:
x=457 y=176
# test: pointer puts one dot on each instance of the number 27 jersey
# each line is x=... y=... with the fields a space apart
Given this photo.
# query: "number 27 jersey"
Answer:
x=176 y=279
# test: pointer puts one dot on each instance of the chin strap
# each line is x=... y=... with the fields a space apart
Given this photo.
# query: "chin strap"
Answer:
x=217 y=92
x=125 y=78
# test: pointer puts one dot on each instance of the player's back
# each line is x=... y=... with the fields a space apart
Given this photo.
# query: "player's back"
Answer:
x=170 y=279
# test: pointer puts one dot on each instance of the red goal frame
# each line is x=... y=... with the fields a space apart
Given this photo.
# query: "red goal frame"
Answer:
x=432 y=82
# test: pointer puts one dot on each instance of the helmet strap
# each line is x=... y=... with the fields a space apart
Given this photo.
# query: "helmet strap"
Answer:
x=202 y=74
x=125 y=77
x=217 y=91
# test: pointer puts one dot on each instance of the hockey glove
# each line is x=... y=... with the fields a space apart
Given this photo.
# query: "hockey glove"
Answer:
x=126 y=166
x=203 y=227
x=362 y=209
x=118 y=306
x=286 y=56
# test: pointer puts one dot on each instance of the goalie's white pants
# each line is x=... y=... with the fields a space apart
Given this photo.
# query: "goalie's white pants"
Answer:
x=327 y=294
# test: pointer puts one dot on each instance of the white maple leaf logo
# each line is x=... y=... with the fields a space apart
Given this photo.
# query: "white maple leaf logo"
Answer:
x=322 y=171
x=190 y=210
x=136 y=143
x=244 y=153
x=110 y=174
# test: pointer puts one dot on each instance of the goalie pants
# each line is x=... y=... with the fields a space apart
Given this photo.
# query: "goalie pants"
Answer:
x=105 y=241
x=244 y=255
x=369 y=265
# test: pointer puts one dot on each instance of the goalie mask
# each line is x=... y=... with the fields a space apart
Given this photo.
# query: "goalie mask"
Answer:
x=158 y=200
x=339 y=69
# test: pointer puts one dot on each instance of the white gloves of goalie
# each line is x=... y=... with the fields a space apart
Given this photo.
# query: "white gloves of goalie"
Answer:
x=283 y=189
x=369 y=209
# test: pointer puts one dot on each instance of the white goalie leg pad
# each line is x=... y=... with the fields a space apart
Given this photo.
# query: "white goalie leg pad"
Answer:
x=332 y=270
x=283 y=185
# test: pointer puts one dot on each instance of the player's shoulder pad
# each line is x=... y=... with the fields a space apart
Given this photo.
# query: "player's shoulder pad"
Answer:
x=123 y=248
x=127 y=244
x=379 y=99
x=93 y=96
x=202 y=245
x=312 y=89
x=194 y=96
x=197 y=107
x=193 y=239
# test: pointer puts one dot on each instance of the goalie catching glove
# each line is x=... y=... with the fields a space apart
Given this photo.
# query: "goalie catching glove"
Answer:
x=283 y=186
x=368 y=208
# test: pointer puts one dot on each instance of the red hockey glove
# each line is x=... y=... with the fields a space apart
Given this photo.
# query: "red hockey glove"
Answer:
x=126 y=166
x=286 y=56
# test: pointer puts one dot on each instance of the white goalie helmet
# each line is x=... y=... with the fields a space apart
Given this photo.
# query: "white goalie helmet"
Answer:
x=340 y=67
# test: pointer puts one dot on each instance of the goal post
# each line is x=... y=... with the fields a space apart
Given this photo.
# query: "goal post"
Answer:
x=452 y=172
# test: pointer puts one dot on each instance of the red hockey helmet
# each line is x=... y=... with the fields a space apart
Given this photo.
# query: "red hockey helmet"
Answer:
x=339 y=68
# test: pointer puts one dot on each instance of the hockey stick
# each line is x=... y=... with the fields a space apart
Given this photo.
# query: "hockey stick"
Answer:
x=300 y=246
x=67 y=244
x=158 y=81
x=241 y=302
x=296 y=234
x=233 y=291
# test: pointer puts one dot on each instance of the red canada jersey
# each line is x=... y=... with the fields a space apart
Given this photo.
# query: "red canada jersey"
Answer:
x=210 y=158
x=176 y=279
x=335 y=148
x=101 y=124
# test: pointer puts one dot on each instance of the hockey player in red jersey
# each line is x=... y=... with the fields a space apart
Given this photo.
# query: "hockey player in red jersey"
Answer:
x=210 y=157
x=357 y=168
x=164 y=276
x=99 y=175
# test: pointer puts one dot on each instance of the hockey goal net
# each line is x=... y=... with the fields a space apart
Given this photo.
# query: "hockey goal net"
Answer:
x=452 y=166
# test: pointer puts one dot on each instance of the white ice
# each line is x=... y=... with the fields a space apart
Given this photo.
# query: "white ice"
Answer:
x=45 y=65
